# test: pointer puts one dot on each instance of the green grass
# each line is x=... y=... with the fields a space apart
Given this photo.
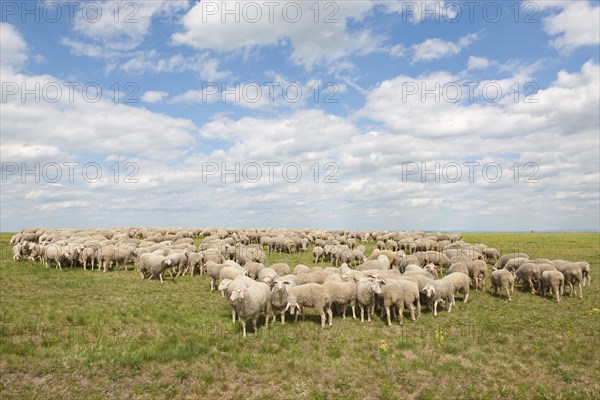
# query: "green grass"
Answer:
x=82 y=334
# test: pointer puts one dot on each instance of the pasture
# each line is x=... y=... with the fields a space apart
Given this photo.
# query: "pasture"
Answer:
x=93 y=335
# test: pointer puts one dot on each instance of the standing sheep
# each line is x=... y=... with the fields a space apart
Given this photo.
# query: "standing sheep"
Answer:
x=554 y=282
x=573 y=277
x=249 y=302
x=366 y=289
x=502 y=279
x=460 y=282
x=343 y=294
x=310 y=295
x=400 y=294
x=529 y=273
x=477 y=272
x=153 y=264
x=440 y=291
x=318 y=253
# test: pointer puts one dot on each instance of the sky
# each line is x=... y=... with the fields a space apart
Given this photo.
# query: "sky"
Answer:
x=386 y=115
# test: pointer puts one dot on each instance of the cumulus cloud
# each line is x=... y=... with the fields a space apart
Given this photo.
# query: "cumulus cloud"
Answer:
x=14 y=48
x=315 y=38
x=577 y=24
x=154 y=97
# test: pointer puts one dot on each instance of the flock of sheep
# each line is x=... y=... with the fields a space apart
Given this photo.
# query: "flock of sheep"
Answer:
x=402 y=272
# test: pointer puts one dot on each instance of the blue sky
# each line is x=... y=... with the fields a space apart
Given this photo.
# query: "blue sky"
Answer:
x=347 y=114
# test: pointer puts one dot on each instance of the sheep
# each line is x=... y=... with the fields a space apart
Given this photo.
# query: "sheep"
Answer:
x=459 y=267
x=477 y=272
x=180 y=261
x=343 y=294
x=318 y=253
x=301 y=269
x=56 y=254
x=229 y=285
x=279 y=299
x=514 y=263
x=281 y=269
x=249 y=302
x=504 y=259
x=554 y=282
x=213 y=270
x=310 y=295
x=312 y=277
x=529 y=273
x=382 y=262
x=252 y=268
x=267 y=275
x=17 y=251
x=492 y=254
x=400 y=294
x=439 y=291
x=366 y=289
x=502 y=279
x=460 y=282
x=585 y=272
x=573 y=276
x=153 y=264
x=228 y=272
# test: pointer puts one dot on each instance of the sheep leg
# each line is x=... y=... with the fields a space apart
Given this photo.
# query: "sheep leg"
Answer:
x=466 y=297
x=344 y=311
x=387 y=312
x=362 y=313
x=435 y=303
x=418 y=308
x=450 y=306
x=255 y=323
x=411 y=308
x=508 y=291
x=142 y=274
x=244 y=326
x=282 y=318
x=353 y=311
x=323 y=318
x=580 y=291
x=233 y=315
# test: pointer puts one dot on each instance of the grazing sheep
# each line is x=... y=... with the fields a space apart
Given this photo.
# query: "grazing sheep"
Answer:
x=504 y=259
x=529 y=273
x=213 y=270
x=573 y=277
x=366 y=289
x=310 y=295
x=460 y=282
x=343 y=294
x=492 y=254
x=55 y=254
x=249 y=302
x=252 y=268
x=459 y=267
x=477 y=272
x=17 y=251
x=318 y=253
x=554 y=282
x=313 y=277
x=585 y=272
x=180 y=261
x=439 y=291
x=400 y=294
x=514 y=263
x=281 y=269
x=195 y=260
x=153 y=264
x=502 y=279
x=267 y=275
x=301 y=269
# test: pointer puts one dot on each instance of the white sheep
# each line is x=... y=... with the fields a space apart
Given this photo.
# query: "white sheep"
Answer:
x=343 y=294
x=267 y=275
x=400 y=294
x=529 y=273
x=439 y=291
x=502 y=279
x=228 y=285
x=573 y=277
x=249 y=302
x=213 y=270
x=153 y=264
x=477 y=272
x=460 y=282
x=553 y=282
x=366 y=289
x=310 y=295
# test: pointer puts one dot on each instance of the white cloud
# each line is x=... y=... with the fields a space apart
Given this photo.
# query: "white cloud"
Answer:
x=116 y=27
x=576 y=25
x=203 y=64
x=154 y=97
x=478 y=62
x=435 y=48
x=14 y=48
x=398 y=50
x=207 y=26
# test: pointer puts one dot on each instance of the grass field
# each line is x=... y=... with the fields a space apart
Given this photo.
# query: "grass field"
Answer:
x=90 y=335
